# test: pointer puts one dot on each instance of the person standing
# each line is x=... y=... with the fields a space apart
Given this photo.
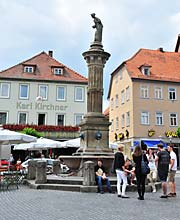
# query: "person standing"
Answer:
x=119 y=168
x=163 y=160
x=141 y=178
x=152 y=176
x=172 y=171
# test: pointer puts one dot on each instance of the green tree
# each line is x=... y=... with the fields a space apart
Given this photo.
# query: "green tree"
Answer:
x=178 y=132
x=32 y=132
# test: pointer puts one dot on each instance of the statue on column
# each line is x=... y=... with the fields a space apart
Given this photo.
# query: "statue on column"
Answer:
x=98 y=25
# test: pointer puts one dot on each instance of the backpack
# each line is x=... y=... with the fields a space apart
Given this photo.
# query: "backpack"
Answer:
x=144 y=166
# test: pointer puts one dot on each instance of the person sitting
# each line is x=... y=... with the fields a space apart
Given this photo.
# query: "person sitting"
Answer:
x=100 y=176
x=130 y=171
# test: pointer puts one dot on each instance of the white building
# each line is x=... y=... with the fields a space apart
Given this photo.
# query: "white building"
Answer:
x=42 y=91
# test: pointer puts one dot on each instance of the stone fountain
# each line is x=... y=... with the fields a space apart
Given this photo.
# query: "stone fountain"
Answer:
x=94 y=126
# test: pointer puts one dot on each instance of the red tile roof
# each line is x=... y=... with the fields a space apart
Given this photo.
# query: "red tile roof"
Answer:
x=164 y=66
x=43 y=70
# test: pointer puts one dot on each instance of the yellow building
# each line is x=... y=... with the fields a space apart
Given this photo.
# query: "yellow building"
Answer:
x=144 y=96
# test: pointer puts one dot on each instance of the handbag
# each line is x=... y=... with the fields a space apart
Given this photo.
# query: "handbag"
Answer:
x=144 y=166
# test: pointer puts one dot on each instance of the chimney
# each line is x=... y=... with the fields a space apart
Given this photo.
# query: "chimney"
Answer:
x=50 y=53
x=161 y=49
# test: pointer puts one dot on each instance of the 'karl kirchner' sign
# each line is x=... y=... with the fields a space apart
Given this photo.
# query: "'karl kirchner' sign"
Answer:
x=40 y=106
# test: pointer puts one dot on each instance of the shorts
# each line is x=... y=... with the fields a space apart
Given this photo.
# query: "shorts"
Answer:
x=162 y=176
x=171 y=176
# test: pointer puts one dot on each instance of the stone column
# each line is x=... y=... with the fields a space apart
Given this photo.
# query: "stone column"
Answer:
x=41 y=176
x=94 y=121
x=89 y=175
x=31 y=175
x=56 y=167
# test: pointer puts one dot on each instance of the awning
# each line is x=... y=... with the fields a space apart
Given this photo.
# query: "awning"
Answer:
x=153 y=143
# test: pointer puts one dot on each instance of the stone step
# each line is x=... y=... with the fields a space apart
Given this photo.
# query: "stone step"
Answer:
x=81 y=188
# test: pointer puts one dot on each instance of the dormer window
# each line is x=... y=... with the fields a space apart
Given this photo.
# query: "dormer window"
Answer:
x=58 y=71
x=145 y=69
x=28 y=69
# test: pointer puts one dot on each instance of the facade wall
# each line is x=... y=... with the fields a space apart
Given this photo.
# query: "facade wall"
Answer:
x=136 y=105
x=51 y=107
x=154 y=105
x=121 y=81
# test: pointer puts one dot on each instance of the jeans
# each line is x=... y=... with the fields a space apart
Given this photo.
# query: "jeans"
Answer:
x=100 y=180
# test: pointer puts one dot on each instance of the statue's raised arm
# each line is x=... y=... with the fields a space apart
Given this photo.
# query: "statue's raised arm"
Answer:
x=98 y=25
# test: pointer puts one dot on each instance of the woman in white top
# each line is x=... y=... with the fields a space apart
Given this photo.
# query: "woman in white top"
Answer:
x=152 y=176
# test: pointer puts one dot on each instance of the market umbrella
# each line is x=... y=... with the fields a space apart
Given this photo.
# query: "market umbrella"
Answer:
x=71 y=143
x=13 y=136
x=40 y=144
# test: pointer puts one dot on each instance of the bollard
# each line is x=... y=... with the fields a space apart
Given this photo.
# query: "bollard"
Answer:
x=56 y=167
x=88 y=174
x=31 y=174
x=41 y=176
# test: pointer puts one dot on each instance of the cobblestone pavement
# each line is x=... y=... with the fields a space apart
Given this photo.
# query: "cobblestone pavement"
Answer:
x=25 y=204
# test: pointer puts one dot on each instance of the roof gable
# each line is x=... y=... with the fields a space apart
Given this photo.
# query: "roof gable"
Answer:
x=165 y=66
x=44 y=65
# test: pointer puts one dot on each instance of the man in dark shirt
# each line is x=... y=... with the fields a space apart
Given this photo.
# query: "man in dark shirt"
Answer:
x=101 y=176
x=163 y=160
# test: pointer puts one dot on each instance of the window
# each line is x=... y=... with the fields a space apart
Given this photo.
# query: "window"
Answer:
x=24 y=90
x=122 y=97
x=145 y=118
x=22 y=118
x=146 y=71
x=172 y=93
x=117 y=123
x=61 y=93
x=117 y=101
x=60 y=120
x=127 y=119
x=127 y=93
x=159 y=118
x=112 y=125
x=144 y=92
x=3 y=118
x=28 y=69
x=79 y=94
x=158 y=92
x=4 y=90
x=41 y=119
x=43 y=89
x=78 y=118
x=173 y=119
x=123 y=121
x=112 y=104
x=58 y=71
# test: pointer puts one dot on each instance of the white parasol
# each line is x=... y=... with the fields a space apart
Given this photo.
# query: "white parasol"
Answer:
x=40 y=144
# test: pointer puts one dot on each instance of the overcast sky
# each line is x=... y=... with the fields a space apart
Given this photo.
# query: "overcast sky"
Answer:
x=29 y=27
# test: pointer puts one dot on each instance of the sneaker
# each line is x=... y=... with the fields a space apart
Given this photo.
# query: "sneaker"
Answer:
x=154 y=190
x=141 y=198
x=125 y=197
x=170 y=194
x=119 y=196
x=164 y=197
x=174 y=194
